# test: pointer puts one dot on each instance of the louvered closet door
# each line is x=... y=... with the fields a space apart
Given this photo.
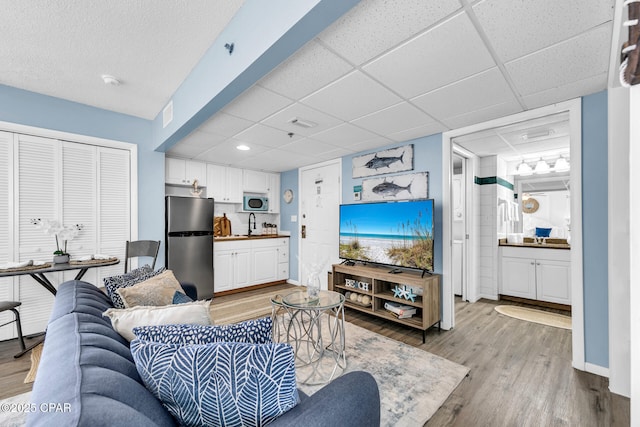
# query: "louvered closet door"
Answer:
x=79 y=177
x=6 y=227
x=38 y=195
x=114 y=206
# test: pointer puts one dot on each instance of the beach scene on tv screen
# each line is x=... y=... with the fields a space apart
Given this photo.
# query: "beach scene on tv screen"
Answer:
x=399 y=234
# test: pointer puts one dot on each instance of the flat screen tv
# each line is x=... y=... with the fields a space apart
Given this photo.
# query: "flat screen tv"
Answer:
x=398 y=234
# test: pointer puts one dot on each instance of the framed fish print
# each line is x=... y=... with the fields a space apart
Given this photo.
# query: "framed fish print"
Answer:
x=398 y=187
x=393 y=160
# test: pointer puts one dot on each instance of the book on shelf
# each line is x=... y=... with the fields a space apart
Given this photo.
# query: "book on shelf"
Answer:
x=401 y=316
x=400 y=309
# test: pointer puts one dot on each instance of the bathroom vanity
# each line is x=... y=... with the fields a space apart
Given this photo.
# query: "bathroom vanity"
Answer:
x=535 y=271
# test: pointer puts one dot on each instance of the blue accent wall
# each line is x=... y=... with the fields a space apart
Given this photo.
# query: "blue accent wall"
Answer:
x=289 y=179
x=427 y=157
x=42 y=111
x=594 y=228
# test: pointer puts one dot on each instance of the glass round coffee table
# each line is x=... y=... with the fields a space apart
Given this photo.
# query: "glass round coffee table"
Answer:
x=315 y=329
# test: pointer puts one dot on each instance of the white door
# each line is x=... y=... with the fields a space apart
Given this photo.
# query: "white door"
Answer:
x=518 y=277
x=320 y=197
x=554 y=281
x=6 y=228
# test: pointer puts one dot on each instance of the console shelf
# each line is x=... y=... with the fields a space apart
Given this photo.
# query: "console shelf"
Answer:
x=380 y=289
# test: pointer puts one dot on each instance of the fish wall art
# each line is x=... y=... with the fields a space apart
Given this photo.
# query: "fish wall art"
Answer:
x=393 y=160
x=397 y=187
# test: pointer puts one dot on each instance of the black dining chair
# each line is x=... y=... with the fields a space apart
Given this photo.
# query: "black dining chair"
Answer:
x=141 y=248
x=13 y=306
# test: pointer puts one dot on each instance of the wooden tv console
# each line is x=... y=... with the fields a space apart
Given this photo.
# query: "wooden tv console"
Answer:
x=381 y=284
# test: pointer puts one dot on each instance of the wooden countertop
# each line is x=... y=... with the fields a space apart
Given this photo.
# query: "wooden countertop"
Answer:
x=244 y=237
x=529 y=243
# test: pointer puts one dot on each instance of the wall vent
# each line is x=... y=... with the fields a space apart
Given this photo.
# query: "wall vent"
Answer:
x=167 y=114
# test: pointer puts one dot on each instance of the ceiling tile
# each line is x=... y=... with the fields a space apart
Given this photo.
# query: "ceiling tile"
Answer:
x=256 y=103
x=353 y=96
x=307 y=146
x=266 y=136
x=281 y=120
x=487 y=147
x=346 y=134
x=306 y=71
x=197 y=142
x=374 y=26
x=474 y=93
x=227 y=153
x=418 y=132
x=225 y=124
x=576 y=59
x=517 y=28
x=275 y=160
x=568 y=91
x=448 y=52
x=479 y=116
x=394 y=119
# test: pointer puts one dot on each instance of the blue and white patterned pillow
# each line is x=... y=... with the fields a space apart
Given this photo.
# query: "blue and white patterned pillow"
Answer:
x=219 y=384
x=251 y=331
x=138 y=275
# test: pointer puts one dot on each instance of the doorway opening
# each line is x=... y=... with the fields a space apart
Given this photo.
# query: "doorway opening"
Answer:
x=538 y=136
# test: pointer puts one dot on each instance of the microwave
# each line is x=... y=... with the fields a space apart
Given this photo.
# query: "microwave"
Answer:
x=255 y=204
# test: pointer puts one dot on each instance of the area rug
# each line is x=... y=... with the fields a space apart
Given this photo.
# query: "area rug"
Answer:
x=413 y=383
x=536 y=316
x=13 y=418
x=36 y=353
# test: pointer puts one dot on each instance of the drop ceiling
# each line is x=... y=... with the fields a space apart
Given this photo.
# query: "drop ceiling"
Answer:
x=385 y=72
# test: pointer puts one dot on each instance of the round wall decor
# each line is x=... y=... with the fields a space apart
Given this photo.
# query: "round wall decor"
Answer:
x=530 y=205
x=288 y=195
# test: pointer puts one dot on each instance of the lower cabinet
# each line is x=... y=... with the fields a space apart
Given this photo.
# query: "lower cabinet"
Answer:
x=536 y=273
x=242 y=263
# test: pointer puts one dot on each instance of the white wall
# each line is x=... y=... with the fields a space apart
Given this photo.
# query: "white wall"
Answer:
x=618 y=245
x=634 y=254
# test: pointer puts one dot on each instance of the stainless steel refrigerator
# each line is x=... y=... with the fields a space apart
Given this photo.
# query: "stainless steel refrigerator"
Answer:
x=189 y=241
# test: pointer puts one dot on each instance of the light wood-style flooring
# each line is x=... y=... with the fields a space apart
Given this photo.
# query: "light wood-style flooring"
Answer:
x=521 y=372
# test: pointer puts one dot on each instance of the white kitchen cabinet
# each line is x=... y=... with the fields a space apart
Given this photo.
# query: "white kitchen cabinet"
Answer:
x=255 y=181
x=232 y=264
x=273 y=193
x=536 y=273
x=242 y=263
x=224 y=184
x=184 y=172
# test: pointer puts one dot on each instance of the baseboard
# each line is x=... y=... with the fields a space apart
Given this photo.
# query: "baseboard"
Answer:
x=596 y=369
x=487 y=296
x=293 y=282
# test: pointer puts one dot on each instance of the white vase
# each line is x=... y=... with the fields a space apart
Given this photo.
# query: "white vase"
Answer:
x=313 y=286
x=60 y=259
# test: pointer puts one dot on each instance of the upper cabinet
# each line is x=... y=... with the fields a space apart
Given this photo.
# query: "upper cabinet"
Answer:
x=184 y=172
x=255 y=181
x=224 y=184
x=273 y=193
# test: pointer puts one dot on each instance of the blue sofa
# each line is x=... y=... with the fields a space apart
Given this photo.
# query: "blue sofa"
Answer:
x=87 y=377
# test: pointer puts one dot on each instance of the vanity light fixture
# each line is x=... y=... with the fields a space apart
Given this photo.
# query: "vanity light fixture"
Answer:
x=243 y=147
x=561 y=165
x=542 y=167
x=524 y=169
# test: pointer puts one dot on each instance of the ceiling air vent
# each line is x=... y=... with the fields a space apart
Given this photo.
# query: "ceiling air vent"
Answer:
x=167 y=114
x=302 y=123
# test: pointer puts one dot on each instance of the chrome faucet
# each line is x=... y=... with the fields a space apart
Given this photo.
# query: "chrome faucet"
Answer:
x=254 y=223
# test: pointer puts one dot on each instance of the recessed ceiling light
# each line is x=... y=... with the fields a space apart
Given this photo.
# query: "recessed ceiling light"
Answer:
x=110 y=80
x=243 y=147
